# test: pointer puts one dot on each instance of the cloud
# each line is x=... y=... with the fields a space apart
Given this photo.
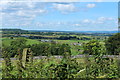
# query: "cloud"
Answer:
x=64 y=8
x=20 y=13
x=44 y=0
x=98 y=0
x=61 y=0
x=77 y=24
x=101 y=19
x=105 y=19
x=110 y=18
x=31 y=4
x=23 y=14
x=91 y=5
x=86 y=21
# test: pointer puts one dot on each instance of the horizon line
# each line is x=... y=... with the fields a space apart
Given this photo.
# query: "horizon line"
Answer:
x=58 y=30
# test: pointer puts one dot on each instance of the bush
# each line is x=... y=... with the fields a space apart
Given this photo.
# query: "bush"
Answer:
x=93 y=47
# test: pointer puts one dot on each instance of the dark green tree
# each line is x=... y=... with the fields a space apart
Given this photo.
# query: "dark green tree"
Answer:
x=113 y=44
x=64 y=48
x=93 y=47
x=55 y=48
x=18 y=44
x=41 y=49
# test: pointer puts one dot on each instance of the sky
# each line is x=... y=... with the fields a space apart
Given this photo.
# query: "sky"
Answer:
x=60 y=16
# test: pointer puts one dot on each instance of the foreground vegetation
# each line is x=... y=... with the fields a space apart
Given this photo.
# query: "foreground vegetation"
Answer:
x=65 y=68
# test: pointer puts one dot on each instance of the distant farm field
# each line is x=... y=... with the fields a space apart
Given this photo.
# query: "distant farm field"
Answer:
x=7 y=41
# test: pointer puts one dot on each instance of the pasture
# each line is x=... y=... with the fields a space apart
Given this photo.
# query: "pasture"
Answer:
x=7 y=41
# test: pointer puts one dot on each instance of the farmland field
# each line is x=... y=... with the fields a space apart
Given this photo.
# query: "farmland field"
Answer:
x=7 y=41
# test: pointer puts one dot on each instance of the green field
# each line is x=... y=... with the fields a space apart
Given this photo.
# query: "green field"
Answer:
x=7 y=41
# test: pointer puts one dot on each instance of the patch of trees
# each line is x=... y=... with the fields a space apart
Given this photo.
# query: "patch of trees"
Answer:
x=67 y=37
x=41 y=37
x=15 y=46
x=93 y=47
x=43 y=49
x=13 y=31
x=111 y=47
x=113 y=44
x=59 y=38
x=85 y=38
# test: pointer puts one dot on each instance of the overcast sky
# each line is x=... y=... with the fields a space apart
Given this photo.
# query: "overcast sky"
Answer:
x=60 y=16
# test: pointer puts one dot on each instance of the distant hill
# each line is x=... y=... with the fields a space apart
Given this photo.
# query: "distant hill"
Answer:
x=20 y=30
x=75 y=31
x=98 y=31
x=12 y=30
